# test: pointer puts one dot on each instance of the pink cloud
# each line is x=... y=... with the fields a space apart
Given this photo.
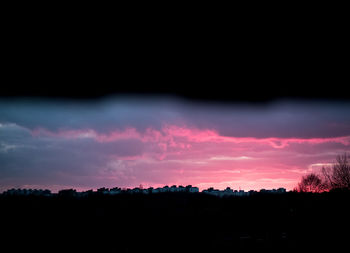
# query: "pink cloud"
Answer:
x=202 y=157
x=170 y=133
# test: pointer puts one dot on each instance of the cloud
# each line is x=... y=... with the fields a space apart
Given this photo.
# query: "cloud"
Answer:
x=128 y=142
x=6 y=147
x=286 y=119
x=230 y=158
x=318 y=166
x=168 y=132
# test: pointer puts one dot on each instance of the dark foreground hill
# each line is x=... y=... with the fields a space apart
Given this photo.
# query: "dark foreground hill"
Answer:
x=175 y=222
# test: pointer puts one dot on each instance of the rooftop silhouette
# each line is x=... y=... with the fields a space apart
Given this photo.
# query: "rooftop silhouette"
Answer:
x=140 y=190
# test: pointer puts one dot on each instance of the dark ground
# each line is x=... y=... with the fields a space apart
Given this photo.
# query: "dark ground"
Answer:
x=176 y=222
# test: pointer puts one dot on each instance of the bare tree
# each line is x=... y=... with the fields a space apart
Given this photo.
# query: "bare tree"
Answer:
x=338 y=175
x=311 y=183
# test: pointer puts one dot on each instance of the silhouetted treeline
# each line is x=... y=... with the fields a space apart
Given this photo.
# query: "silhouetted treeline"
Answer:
x=335 y=177
x=176 y=222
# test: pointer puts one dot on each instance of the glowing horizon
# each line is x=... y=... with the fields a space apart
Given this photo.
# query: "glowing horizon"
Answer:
x=124 y=144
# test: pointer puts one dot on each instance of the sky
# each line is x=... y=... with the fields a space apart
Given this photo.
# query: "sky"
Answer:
x=127 y=141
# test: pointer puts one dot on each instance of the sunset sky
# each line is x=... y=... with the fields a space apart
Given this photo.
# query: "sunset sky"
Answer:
x=126 y=141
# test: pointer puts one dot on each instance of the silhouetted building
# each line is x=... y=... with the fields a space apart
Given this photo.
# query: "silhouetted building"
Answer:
x=103 y=190
x=67 y=193
x=115 y=190
x=191 y=189
x=26 y=192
